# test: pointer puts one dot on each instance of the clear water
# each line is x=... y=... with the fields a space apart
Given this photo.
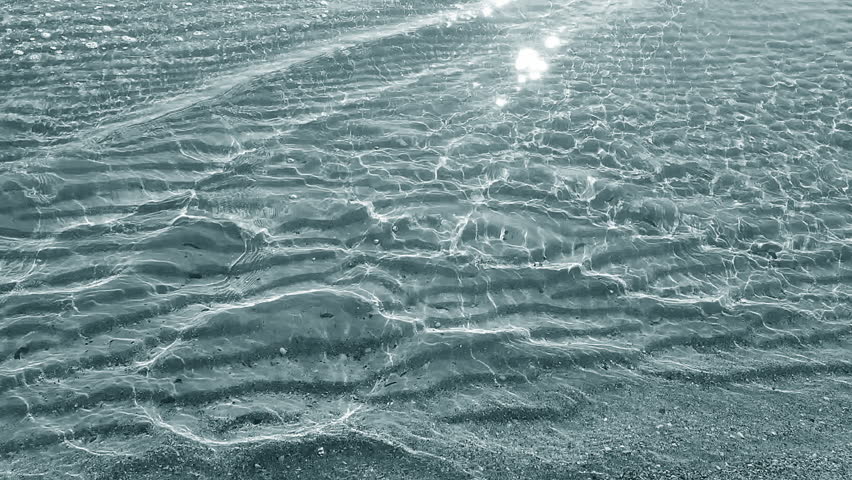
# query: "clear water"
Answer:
x=418 y=239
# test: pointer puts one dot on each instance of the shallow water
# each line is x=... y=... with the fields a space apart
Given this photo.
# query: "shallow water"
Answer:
x=419 y=239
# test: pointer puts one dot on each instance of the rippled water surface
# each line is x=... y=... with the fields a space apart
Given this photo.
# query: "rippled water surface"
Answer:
x=425 y=239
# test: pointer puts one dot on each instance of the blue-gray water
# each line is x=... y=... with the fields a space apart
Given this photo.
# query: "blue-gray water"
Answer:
x=425 y=239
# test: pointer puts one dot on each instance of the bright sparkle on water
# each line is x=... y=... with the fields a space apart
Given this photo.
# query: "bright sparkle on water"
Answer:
x=530 y=65
x=552 y=41
x=501 y=100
